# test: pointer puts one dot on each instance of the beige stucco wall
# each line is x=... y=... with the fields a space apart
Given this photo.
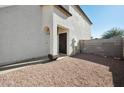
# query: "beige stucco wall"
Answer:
x=79 y=28
x=21 y=33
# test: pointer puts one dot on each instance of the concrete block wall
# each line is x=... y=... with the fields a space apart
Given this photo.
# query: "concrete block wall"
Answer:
x=123 y=46
x=113 y=47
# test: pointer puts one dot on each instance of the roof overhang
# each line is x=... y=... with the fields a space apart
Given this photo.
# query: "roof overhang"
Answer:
x=67 y=13
x=62 y=9
x=78 y=7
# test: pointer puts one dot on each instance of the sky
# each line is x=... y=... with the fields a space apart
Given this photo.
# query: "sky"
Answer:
x=104 y=18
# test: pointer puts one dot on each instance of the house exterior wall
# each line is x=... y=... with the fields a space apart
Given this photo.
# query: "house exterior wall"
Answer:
x=21 y=33
x=79 y=28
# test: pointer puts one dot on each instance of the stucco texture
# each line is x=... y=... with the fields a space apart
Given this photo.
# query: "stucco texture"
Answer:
x=21 y=34
x=78 y=28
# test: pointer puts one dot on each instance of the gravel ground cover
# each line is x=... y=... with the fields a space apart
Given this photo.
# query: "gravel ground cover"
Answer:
x=80 y=71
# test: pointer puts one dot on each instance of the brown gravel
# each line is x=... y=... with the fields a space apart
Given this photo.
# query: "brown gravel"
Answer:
x=69 y=71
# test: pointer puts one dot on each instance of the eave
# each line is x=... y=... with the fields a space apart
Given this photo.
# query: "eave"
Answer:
x=78 y=7
x=62 y=9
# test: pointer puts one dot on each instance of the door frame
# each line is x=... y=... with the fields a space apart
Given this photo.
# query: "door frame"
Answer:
x=66 y=30
x=66 y=42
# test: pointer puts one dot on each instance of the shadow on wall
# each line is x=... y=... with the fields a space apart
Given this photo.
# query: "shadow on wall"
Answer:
x=75 y=47
x=115 y=66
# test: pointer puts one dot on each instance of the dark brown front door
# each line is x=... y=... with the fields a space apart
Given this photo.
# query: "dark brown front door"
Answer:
x=63 y=43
